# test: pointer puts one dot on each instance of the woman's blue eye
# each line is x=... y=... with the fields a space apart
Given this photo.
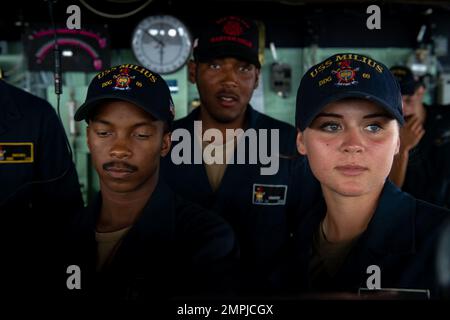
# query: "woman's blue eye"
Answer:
x=330 y=127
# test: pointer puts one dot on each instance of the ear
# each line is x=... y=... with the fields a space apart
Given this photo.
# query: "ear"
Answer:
x=88 y=130
x=192 y=71
x=166 y=144
x=258 y=71
x=301 y=148
x=397 y=147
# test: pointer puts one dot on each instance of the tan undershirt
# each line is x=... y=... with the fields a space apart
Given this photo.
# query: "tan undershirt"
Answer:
x=328 y=257
x=216 y=171
x=107 y=245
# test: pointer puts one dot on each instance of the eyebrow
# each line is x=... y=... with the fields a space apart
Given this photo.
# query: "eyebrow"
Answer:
x=139 y=124
x=368 y=116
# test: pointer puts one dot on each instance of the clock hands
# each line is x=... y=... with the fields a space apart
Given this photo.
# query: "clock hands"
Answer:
x=161 y=54
x=161 y=43
x=156 y=39
x=161 y=46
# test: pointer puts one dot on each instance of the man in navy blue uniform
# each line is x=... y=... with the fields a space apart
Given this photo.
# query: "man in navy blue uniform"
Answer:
x=422 y=167
x=138 y=240
x=38 y=188
x=226 y=70
x=365 y=232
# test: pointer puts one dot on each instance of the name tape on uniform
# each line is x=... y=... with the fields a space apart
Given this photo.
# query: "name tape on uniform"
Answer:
x=269 y=194
x=16 y=152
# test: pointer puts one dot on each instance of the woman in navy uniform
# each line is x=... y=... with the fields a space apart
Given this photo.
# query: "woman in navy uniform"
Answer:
x=138 y=240
x=365 y=232
x=226 y=70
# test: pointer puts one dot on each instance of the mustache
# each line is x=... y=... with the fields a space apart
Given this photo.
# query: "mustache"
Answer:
x=119 y=165
x=228 y=92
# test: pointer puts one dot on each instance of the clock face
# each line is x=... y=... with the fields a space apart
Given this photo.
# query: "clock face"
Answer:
x=162 y=43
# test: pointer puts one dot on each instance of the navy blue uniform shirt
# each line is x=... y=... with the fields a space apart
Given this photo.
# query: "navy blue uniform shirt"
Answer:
x=257 y=206
x=175 y=248
x=401 y=239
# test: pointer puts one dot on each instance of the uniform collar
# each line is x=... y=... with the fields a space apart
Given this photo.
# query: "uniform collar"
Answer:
x=392 y=228
x=157 y=219
x=390 y=232
x=144 y=251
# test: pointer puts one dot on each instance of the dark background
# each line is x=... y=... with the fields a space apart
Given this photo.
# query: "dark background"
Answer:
x=289 y=23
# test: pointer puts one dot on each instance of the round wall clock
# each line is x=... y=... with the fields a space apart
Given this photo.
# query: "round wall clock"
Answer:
x=162 y=43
